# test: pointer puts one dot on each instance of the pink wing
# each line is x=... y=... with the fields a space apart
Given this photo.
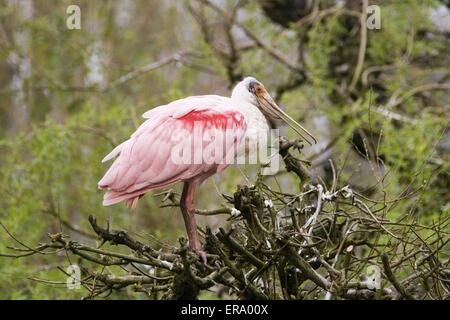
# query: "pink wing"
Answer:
x=165 y=148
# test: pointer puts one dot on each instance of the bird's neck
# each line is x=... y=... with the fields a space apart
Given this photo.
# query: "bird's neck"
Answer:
x=244 y=106
x=254 y=117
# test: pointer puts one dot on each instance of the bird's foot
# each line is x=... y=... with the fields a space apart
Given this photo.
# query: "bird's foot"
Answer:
x=201 y=254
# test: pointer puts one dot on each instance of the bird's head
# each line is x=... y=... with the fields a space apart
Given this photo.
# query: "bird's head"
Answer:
x=254 y=92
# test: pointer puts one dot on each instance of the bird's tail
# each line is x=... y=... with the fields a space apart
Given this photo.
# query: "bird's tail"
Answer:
x=131 y=199
x=132 y=203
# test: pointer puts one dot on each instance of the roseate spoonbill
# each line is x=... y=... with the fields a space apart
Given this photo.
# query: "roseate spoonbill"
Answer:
x=145 y=161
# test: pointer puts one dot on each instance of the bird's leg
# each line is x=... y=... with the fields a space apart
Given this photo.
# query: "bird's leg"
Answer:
x=188 y=209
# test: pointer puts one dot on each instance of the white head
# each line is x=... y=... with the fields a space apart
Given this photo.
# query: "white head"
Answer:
x=243 y=92
x=254 y=92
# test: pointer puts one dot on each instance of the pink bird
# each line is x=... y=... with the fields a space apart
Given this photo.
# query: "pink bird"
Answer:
x=170 y=146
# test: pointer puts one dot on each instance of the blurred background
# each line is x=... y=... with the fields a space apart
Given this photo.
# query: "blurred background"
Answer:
x=376 y=97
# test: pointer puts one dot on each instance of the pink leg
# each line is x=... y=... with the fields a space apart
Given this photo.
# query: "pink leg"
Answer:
x=188 y=210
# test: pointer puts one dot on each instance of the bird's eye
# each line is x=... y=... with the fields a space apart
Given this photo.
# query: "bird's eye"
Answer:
x=256 y=88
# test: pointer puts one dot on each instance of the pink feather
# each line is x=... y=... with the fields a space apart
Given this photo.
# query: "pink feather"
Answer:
x=144 y=161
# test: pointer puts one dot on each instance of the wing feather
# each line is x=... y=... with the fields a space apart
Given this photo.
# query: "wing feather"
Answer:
x=144 y=162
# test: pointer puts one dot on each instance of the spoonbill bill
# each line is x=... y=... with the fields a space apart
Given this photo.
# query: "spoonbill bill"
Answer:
x=150 y=159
